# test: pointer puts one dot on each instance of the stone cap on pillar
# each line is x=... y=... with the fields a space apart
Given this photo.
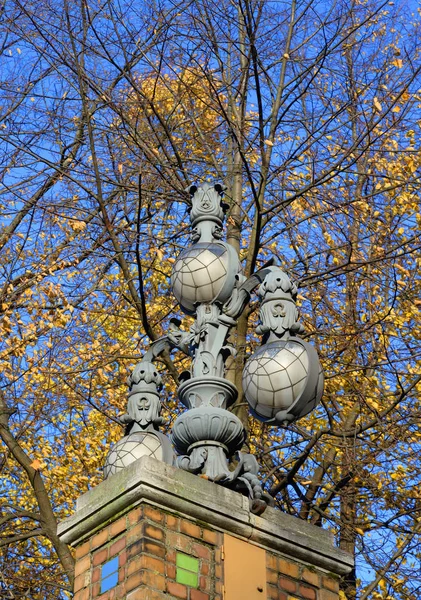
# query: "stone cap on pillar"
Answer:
x=151 y=481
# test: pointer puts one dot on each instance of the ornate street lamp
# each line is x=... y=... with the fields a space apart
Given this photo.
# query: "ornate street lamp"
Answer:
x=282 y=380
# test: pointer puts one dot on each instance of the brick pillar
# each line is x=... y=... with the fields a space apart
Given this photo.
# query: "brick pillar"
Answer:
x=153 y=532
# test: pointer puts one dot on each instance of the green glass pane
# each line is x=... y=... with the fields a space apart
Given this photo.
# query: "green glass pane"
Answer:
x=187 y=578
x=187 y=562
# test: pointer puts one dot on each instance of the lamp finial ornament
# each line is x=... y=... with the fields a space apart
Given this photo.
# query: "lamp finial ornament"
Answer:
x=207 y=212
x=278 y=309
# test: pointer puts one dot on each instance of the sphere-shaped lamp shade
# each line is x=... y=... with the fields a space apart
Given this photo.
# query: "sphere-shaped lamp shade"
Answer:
x=283 y=381
x=204 y=273
x=134 y=446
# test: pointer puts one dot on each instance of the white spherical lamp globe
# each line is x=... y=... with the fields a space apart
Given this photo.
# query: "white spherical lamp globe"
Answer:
x=283 y=381
x=204 y=273
x=134 y=446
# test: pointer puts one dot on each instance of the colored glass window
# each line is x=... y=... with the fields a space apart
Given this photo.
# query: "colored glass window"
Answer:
x=109 y=574
x=187 y=570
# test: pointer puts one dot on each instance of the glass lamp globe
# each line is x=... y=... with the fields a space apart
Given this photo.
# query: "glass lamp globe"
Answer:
x=283 y=380
x=204 y=273
x=134 y=446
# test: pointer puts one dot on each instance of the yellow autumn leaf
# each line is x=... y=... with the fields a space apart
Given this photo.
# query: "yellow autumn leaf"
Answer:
x=377 y=105
x=78 y=225
x=36 y=464
x=397 y=62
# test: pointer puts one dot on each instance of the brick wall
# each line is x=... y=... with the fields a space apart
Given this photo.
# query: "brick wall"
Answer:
x=290 y=580
x=146 y=541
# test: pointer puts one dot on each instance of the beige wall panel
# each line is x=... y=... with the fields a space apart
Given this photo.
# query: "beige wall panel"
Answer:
x=244 y=570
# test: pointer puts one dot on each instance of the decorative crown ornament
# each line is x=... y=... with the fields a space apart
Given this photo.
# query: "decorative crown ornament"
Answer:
x=141 y=422
x=278 y=310
x=145 y=378
x=282 y=380
x=207 y=206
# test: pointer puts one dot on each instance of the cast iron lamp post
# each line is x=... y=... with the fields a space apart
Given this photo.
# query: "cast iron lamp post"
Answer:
x=282 y=380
